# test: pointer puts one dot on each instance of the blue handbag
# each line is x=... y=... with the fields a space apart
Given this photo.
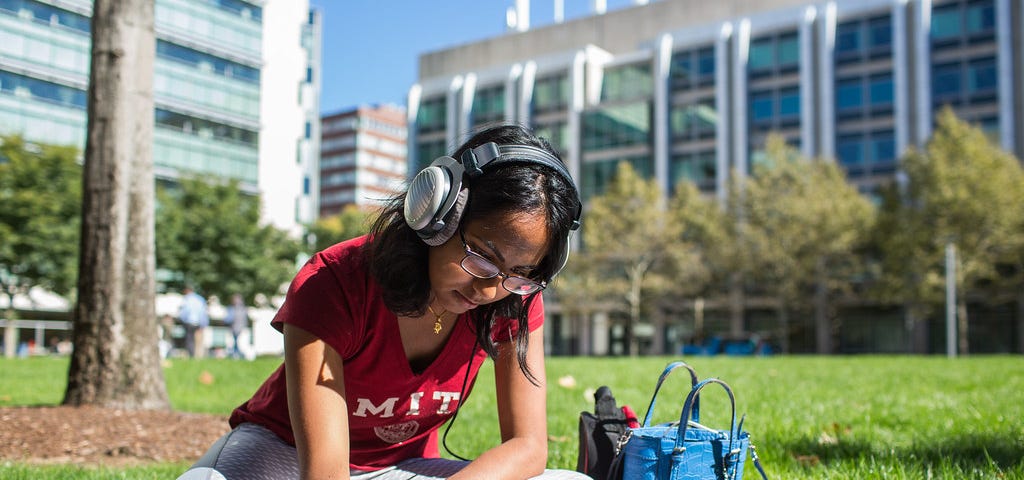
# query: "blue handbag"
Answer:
x=686 y=450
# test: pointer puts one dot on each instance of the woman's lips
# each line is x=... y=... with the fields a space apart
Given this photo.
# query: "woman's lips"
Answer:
x=466 y=302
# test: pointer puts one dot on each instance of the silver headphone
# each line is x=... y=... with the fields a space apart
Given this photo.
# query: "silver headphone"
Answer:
x=438 y=193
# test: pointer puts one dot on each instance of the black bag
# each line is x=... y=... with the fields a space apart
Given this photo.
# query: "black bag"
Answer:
x=600 y=432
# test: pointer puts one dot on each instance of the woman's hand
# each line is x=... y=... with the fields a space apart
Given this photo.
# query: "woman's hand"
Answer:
x=522 y=417
x=316 y=405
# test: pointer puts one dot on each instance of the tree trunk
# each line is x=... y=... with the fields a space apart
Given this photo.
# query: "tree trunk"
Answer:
x=917 y=328
x=783 y=314
x=1020 y=322
x=822 y=324
x=963 y=343
x=116 y=361
x=736 y=304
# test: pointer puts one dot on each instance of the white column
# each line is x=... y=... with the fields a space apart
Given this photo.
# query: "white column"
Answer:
x=662 y=64
x=452 y=127
x=923 y=71
x=807 y=123
x=901 y=76
x=512 y=112
x=412 y=108
x=527 y=81
x=827 y=82
x=1004 y=36
x=723 y=128
x=739 y=94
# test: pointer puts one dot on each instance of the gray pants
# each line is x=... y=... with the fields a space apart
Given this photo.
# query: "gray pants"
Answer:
x=251 y=452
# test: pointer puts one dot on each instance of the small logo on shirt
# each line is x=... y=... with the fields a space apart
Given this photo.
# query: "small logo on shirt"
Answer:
x=397 y=432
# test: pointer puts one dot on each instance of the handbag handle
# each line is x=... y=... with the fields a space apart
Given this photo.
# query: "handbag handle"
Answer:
x=691 y=400
x=693 y=384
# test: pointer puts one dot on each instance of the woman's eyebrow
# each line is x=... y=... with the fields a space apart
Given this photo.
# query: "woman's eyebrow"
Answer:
x=494 y=250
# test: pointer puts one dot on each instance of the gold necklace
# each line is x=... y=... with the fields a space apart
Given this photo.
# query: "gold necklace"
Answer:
x=437 y=320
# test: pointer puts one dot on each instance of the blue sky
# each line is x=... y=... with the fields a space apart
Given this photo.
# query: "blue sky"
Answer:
x=371 y=47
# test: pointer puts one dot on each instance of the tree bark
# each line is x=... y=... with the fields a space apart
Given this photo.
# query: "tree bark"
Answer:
x=736 y=322
x=116 y=361
x=822 y=323
x=963 y=343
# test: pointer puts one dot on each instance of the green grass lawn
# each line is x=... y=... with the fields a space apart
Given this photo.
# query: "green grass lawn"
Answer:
x=864 y=417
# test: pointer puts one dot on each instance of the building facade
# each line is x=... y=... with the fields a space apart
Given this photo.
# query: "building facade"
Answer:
x=362 y=159
x=214 y=65
x=689 y=90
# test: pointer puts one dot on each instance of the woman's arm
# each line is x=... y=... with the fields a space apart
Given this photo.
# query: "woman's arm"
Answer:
x=316 y=405
x=522 y=416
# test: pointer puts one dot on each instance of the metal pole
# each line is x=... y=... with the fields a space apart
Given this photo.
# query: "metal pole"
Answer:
x=950 y=300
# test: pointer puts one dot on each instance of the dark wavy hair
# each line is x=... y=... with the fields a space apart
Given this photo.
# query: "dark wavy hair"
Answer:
x=397 y=257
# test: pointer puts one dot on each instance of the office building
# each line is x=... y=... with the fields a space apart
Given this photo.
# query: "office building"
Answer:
x=235 y=85
x=362 y=158
x=690 y=89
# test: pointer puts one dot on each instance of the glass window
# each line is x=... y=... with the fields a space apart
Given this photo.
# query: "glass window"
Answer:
x=789 y=103
x=847 y=38
x=762 y=55
x=706 y=63
x=883 y=147
x=48 y=14
x=488 y=105
x=431 y=115
x=617 y=126
x=681 y=69
x=15 y=84
x=206 y=62
x=789 y=50
x=850 y=149
x=627 y=82
x=981 y=18
x=881 y=90
x=761 y=106
x=880 y=29
x=551 y=93
x=946 y=81
x=946 y=22
x=849 y=95
x=982 y=76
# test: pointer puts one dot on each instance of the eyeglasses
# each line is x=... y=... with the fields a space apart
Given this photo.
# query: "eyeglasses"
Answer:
x=478 y=266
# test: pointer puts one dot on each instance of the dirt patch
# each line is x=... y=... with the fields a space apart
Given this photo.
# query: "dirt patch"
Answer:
x=99 y=436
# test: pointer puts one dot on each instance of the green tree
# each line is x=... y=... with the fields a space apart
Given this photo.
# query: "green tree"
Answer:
x=808 y=224
x=627 y=235
x=40 y=190
x=209 y=233
x=960 y=190
x=351 y=222
x=714 y=252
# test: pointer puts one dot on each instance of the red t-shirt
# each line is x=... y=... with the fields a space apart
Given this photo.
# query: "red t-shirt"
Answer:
x=394 y=413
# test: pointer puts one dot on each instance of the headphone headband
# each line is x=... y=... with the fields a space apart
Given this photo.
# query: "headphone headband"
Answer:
x=438 y=193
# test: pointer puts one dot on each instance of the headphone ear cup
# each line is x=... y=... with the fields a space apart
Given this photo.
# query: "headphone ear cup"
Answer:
x=450 y=222
x=426 y=195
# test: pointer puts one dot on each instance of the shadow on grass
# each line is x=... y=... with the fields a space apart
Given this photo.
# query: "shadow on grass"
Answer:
x=969 y=451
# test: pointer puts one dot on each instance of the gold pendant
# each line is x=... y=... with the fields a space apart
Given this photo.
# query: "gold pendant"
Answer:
x=437 y=326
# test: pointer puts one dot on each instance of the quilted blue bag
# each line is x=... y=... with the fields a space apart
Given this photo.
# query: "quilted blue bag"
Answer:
x=686 y=450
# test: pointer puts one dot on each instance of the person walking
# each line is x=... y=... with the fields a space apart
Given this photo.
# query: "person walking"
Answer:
x=194 y=316
x=238 y=319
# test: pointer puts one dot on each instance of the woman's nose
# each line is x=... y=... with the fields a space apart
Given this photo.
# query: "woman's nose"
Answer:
x=488 y=288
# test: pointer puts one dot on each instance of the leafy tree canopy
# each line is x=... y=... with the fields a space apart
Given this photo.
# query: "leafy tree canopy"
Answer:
x=350 y=223
x=41 y=195
x=961 y=189
x=209 y=234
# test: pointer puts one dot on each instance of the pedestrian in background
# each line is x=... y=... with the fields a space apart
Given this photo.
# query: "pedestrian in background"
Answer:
x=238 y=319
x=195 y=318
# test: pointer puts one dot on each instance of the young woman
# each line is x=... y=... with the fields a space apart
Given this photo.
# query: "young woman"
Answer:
x=384 y=334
